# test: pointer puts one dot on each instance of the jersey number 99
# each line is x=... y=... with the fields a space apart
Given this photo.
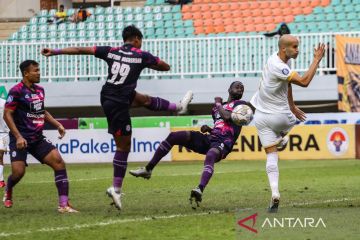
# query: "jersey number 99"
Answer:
x=119 y=69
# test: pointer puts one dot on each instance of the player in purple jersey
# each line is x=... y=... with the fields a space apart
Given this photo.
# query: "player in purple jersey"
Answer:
x=216 y=145
x=25 y=115
x=118 y=94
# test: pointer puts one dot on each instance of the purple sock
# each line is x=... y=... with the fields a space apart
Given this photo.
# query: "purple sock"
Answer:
x=62 y=185
x=160 y=104
x=174 y=138
x=10 y=185
x=208 y=171
x=120 y=165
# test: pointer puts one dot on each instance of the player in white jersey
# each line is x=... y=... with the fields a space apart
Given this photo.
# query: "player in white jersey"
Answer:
x=4 y=141
x=276 y=112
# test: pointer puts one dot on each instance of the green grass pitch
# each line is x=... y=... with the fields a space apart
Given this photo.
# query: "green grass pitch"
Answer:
x=159 y=208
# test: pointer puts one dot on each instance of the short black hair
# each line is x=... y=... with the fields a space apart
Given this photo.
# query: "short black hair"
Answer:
x=234 y=83
x=62 y=6
x=25 y=64
x=131 y=32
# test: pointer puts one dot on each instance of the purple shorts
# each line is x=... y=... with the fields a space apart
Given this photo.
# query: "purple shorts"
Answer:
x=39 y=149
x=202 y=143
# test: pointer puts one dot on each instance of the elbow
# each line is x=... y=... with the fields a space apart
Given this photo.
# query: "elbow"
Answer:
x=167 y=67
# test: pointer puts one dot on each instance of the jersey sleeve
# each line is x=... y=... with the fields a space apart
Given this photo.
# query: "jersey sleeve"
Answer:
x=12 y=99
x=149 y=59
x=102 y=51
x=282 y=71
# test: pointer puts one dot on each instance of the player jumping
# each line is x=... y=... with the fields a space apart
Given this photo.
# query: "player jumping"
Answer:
x=118 y=94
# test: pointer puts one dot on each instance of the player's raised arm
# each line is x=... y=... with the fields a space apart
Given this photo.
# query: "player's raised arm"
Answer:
x=47 y=52
x=305 y=80
x=49 y=118
x=160 y=66
x=21 y=143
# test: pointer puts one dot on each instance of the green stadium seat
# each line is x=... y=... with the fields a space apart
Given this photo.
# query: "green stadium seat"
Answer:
x=147 y=9
x=158 y=17
x=118 y=10
x=119 y=18
x=150 y=2
x=100 y=26
x=109 y=18
x=82 y=34
x=177 y=16
x=70 y=12
x=109 y=11
x=44 y=13
x=128 y=10
x=90 y=26
x=157 y=9
x=99 y=11
x=81 y=26
x=71 y=34
x=119 y=26
x=33 y=28
x=52 y=12
x=129 y=18
x=149 y=24
x=53 y=34
x=166 y=9
x=341 y=16
x=71 y=26
x=148 y=17
x=138 y=17
x=138 y=10
x=140 y=25
x=110 y=25
x=43 y=28
x=169 y=24
x=100 y=18
x=24 y=28
x=33 y=20
x=176 y=9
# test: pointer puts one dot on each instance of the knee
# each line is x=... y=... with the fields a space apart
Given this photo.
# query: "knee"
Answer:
x=17 y=174
x=271 y=167
x=147 y=100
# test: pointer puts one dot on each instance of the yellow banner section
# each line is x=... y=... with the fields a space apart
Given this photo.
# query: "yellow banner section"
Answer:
x=306 y=142
x=348 y=72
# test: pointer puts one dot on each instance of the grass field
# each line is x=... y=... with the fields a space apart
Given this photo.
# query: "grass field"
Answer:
x=159 y=208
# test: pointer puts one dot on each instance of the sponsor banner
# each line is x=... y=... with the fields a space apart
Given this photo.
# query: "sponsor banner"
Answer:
x=92 y=146
x=348 y=72
x=306 y=142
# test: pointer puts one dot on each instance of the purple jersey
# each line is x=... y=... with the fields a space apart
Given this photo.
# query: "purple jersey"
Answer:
x=224 y=128
x=29 y=112
x=125 y=65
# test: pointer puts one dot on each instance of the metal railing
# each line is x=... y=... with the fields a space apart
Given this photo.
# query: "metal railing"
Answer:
x=188 y=57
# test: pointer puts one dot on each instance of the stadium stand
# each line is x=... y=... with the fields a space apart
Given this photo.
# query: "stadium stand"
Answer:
x=203 y=17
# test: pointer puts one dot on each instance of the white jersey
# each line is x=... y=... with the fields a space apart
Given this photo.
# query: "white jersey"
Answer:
x=272 y=95
x=3 y=127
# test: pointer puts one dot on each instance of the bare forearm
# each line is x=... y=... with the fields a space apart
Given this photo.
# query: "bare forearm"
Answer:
x=50 y=119
x=75 y=51
x=8 y=118
x=226 y=115
x=309 y=74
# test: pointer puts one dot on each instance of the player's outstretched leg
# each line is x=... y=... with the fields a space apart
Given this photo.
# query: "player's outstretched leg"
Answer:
x=196 y=194
x=174 y=138
x=272 y=171
x=160 y=104
x=120 y=165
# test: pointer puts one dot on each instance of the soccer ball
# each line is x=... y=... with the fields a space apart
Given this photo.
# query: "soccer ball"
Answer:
x=242 y=115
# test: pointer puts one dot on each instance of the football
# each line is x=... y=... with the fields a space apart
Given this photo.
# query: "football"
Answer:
x=242 y=115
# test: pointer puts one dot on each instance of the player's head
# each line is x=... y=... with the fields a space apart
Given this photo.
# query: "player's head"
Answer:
x=30 y=71
x=236 y=90
x=61 y=8
x=288 y=46
x=133 y=35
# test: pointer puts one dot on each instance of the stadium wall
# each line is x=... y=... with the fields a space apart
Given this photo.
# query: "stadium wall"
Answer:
x=87 y=94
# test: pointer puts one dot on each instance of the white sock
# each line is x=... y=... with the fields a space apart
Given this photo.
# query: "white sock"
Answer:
x=1 y=173
x=272 y=171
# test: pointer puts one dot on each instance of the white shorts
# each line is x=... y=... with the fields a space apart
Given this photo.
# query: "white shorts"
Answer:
x=4 y=142
x=273 y=126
